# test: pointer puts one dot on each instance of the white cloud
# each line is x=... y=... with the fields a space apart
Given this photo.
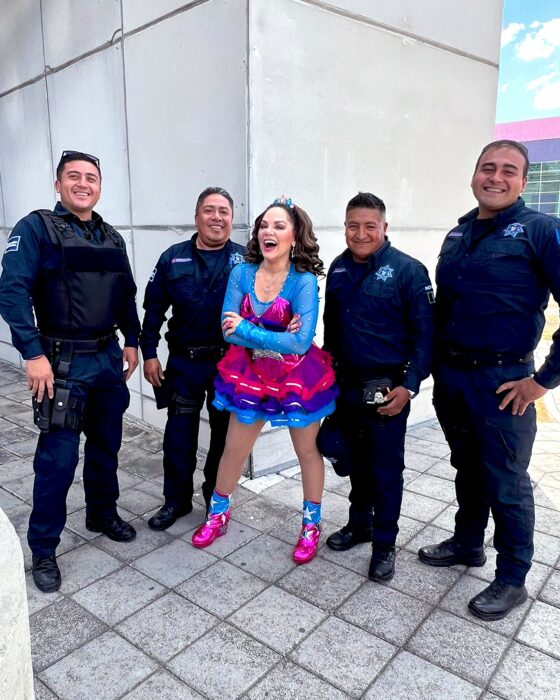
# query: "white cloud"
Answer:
x=539 y=82
x=548 y=97
x=504 y=87
x=510 y=32
x=542 y=43
x=535 y=24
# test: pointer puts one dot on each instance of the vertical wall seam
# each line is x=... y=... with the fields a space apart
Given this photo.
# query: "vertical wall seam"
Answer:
x=47 y=91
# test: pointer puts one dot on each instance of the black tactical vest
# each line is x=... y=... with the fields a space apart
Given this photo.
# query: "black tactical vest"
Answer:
x=85 y=296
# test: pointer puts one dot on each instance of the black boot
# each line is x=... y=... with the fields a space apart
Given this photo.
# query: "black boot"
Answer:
x=114 y=527
x=46 y=573
x=348 y=537
x=497 y=600
x=449 y=552
x=166 y=516
x=382 y=564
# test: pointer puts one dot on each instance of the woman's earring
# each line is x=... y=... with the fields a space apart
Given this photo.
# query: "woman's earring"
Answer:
x=292 y=250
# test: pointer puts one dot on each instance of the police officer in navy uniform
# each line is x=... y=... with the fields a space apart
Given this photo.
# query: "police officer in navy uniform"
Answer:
x=191 y=278
x=70 y=268
x=379 y=329
x=494 y=277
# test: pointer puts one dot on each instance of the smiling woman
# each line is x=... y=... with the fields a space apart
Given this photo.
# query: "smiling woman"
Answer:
x=272 y=371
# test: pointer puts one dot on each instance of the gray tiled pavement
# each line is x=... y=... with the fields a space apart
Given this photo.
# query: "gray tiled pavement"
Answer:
x=158 y=619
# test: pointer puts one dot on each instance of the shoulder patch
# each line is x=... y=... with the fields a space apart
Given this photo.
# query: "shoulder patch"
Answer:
x=180 y=260
x=12 y=245
x=235 y=259
x=513 y=229
x=455 y=234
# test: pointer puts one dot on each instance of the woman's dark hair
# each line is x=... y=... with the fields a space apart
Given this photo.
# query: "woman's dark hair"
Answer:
x=305 y=255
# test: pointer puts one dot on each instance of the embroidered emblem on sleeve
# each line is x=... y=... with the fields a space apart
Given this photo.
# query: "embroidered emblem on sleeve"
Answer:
x=12 y=245
x=235 y=258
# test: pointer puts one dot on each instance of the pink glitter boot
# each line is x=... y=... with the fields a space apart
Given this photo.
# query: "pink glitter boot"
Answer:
x=214 y=527
x=307 y=544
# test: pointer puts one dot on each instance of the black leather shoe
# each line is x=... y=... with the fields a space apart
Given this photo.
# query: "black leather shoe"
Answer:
x=115 y=528
x=348 y=537
x=447 y=553
x=46 y=574
x=166 y=516
x=382 y=564
x=496 y=601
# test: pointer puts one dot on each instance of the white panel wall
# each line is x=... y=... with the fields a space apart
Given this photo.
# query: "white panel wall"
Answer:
x=21 y=47
x=25 y=158
x=187 y=124
x=473 y=27
x=352 y=107
x=74 y=27
x=137 y=13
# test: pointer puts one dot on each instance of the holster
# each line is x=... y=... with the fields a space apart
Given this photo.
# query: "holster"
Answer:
x=42 y=411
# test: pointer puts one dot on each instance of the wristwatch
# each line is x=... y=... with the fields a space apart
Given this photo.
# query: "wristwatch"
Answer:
x=411 y=394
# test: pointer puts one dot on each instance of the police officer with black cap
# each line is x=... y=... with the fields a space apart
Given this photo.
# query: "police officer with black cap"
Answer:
x=70 y=269
x=190 y=277
x=379 y=329
x=495 y=273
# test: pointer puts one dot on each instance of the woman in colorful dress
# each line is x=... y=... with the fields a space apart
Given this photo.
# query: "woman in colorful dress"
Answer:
x=273 y=371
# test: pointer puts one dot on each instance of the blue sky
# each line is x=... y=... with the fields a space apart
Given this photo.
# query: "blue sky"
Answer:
x=529 y=82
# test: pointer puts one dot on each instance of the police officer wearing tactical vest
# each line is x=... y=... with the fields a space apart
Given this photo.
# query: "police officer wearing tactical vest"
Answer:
x=495 y=273
x=70 y=268
x=379 y=330
x=190 y=277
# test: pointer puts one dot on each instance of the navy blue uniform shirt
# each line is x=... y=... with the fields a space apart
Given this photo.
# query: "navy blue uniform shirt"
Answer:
x=494 y=279
x=380 y=314
x=29 y=250
x=194 y=287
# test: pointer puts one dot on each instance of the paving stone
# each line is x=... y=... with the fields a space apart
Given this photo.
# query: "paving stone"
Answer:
x=408 y=677
x=76 y=522
x=443 y=470
x=151 y=440
x=288 y=530
x=547 y=520
x=165 y=627
x=118 y=595
x=547 y=495
x=221 y=588
x=8 y=500
x=9 y=438
x=421 y=507
x=288 y=681
x=551 y=591
x=23 y=448
x=174 y=563
x=354 y=656
x=467 y=587
x=241 y=661
x=431 y=432
x=446 y=519
x=14 y=468
x=416 y=579
x=264 y=556
x=41 y=690
x=162 y=685
x=464 y=648
x=278 y=619
x=238 y=534
x=387 y=613
x=434 y=487
x=143 y=485
x=408 y=529
x=356 y=559
x=429 y=449
x=22 y=487
x=322 y=583
x=335 y=508
x=36 y=599
x=105 y=668
x=84 y=565
x=262 y=514
x=146 y=541
x=429 y=535
x=59 y=629
x=526 y=673
x=75 y=499
x=264 y=483
x=541 y=629
x=140 y=462
x=410 y=475
x=131 y=431
x=138 y=501
x=286 y=491
x=547 y=548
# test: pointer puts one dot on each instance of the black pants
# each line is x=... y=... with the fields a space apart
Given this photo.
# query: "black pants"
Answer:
x=96 y=379
x=491 y=450
x=193 y=382
x=377 y=466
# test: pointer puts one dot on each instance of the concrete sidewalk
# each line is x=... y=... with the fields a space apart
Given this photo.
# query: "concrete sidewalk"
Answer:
x=159 y=619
